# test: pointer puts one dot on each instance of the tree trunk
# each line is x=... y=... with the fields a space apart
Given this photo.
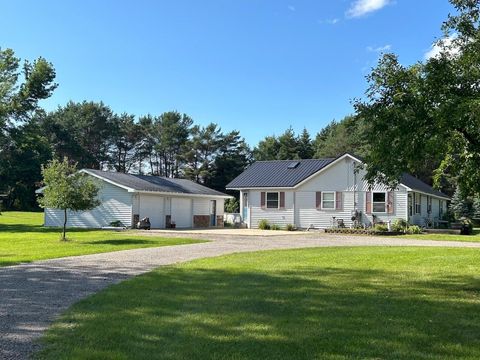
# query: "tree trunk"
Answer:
x=64 y=224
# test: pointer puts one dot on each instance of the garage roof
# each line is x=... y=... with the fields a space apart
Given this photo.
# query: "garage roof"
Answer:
x=157 y=184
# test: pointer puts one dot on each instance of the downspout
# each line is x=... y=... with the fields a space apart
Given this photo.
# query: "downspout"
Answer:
x=355 y=204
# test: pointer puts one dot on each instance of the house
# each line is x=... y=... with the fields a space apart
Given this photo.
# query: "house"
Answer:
x=319 y=193
x=128 y=198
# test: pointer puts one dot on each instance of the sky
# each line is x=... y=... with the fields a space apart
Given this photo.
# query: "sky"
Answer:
x=258 y=66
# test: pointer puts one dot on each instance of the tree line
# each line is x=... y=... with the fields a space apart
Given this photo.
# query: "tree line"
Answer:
x=423 y=119
x=91 y=135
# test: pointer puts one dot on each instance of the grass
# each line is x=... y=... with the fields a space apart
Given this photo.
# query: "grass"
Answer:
x=475 y=237
x=24 y=239
x=330 y=303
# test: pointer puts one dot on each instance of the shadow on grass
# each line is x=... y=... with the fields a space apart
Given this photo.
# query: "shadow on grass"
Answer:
x=327 y=313
x=22 y=228
x=126 y=241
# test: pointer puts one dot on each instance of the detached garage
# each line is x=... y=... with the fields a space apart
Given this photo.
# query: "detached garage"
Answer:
x=128 y=198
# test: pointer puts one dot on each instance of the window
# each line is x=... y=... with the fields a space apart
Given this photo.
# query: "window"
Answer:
x=379 y=202
x=440 y=211
x=328 y=200
x=272 y=200
x=418 y=203
x=429 y=204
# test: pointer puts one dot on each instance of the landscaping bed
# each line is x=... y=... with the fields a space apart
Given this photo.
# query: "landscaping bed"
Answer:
x=362 y=232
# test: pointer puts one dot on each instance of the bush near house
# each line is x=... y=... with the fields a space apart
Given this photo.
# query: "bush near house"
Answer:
x=264 y=224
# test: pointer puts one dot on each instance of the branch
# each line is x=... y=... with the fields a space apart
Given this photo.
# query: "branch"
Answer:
x=470 y=138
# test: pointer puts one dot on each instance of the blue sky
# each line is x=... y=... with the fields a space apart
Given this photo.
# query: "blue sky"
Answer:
x=254 y=65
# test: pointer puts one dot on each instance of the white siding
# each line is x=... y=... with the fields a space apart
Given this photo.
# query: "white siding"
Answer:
x=201 y=206
x=308 y=215
x=300 y=207
x=419 y=219
x=280 y=217
x=116 y=204
x=152 y=206
x=182 y=212
x=220 y=206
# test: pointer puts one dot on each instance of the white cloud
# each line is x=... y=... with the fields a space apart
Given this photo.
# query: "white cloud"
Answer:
x=379 y=49
x=332 y=21
x=291 y=8
x=363 y=7
x=437 y=47
x=329 y=21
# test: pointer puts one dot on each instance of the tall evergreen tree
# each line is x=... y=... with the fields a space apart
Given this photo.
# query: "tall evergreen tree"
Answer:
x=288 y=145
x=267 y=149
x=125 y=141
x=81 y=132
x=305 y=145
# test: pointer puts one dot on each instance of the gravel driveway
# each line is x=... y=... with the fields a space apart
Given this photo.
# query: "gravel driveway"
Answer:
x=33 y=295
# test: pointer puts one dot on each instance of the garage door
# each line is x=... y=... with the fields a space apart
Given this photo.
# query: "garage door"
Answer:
x=152 y=207
x=182 y=212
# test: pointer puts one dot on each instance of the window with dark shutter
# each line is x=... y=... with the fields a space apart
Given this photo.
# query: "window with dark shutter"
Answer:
x=318 y=199
x=368 y=202
x=282 y=200
x=338 y=201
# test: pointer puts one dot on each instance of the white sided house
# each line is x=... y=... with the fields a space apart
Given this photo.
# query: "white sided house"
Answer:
x=128 y=198
x=318 y=193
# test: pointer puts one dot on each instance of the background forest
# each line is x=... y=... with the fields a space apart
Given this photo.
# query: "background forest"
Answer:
x=422 y=118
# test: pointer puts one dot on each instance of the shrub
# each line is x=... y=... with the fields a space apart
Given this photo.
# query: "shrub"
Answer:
x=290 y=227
x=399 y=225
x=264 y=224
x=231 y=206
x=275 y=227
x=380 y=228
x=414 y=229
x=467 y=226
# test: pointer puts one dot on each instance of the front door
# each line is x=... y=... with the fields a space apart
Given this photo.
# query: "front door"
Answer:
x=213 y=212
x=245 y=207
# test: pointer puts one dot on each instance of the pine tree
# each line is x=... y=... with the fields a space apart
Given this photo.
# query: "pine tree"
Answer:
x=305 y=146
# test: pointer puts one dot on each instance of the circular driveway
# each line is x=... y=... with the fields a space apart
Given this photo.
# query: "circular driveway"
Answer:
x=33 y=295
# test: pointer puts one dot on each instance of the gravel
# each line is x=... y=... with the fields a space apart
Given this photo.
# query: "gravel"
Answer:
x=33 y=295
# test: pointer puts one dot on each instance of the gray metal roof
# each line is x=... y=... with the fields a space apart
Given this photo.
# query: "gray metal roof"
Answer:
x=155 y=183
x=418 y=185
x=276 y=173
x=281 y=174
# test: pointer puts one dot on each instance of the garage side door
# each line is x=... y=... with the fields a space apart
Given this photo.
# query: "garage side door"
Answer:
x=182 y=212
x=152 y=207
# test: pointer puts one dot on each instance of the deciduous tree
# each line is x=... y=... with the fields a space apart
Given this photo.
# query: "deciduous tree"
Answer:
x=67 y=189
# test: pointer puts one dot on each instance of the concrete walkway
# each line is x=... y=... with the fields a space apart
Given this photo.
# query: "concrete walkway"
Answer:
x=33 y=295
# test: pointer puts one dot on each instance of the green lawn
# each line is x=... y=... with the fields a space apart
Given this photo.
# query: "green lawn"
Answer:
x=475 y=237
x=330 y=303
x=24 y=239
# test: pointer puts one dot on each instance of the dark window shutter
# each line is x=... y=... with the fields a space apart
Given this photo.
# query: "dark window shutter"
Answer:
x=282 y=200
x=318 y=199
x=390 y=207
x=368 y=202
x=339 y=201
x=262 y=200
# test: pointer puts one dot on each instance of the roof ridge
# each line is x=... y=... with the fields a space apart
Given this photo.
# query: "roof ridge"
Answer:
x=321 y=159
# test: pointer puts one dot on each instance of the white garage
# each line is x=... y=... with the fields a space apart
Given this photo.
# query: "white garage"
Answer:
x=182 y=215
x=127 y=198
